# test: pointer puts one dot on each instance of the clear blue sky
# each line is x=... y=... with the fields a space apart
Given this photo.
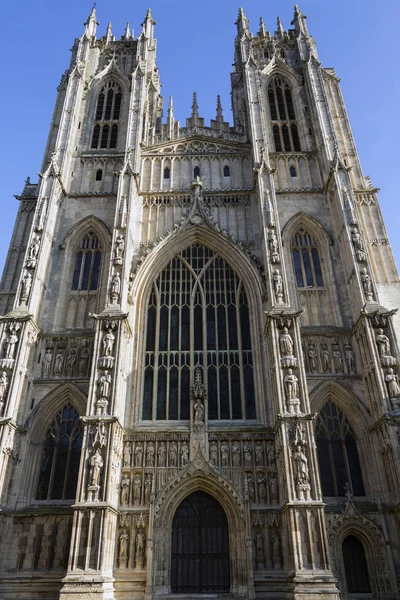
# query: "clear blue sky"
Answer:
x=195 y=51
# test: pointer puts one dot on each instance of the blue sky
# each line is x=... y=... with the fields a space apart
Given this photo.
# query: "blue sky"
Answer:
x=359 y=38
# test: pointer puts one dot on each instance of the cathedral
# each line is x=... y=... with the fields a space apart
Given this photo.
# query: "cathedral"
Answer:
x=199 y=368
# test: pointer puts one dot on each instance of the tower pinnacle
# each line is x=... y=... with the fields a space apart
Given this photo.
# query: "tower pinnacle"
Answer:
x=195 y=107
x=109 y=35
x=242 y=22
x=91 y=23
x=263 y=31
x=299 y=21
x=220 y=117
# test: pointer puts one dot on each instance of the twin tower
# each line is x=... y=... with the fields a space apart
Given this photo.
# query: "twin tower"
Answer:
x=199 y=391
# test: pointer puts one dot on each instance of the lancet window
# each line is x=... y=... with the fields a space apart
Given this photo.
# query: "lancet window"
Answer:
x=339 y=464
x=61 y=454
x=306 y=261
x=105 y=130
x=198 y=317
x=283 y=117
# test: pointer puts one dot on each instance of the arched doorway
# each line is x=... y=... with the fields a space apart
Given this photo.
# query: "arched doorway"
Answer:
x=355 y=565
x=200 y=546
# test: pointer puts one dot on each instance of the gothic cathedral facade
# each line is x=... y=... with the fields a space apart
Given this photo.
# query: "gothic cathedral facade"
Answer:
x=199 y=390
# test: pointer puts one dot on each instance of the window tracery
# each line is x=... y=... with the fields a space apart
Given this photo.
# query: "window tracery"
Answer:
x=105 y=130
x=61 y=455
x=198 y=315
x=339 y=464
x=306 y=260
x=283 y=117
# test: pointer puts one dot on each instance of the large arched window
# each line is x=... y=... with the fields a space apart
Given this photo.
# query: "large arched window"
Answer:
x=105 y=129
x=339 y=465
x=61 y=455
x=198 y=316
x=306 y=260
x=284 y=126
x=355 y=566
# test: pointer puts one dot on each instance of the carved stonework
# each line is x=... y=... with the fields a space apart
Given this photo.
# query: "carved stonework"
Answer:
x=66 y=357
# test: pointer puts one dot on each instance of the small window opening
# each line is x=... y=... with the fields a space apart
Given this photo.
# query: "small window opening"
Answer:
x=99 y=175
x=167 y=173
x=226 y=171
x=196 y=172
x=293 y=172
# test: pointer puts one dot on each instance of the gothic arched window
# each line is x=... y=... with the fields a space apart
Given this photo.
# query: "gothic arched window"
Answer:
x=284 y=127
x=84 y=281
x=339 y=465
x=61 y=455
x=105 y=130
x=196 y=172
x=198 y=316
x=306 y=261
x=355 y=566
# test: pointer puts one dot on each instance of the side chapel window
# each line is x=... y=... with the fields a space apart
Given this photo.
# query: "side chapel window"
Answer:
x=339 y=465
x=284 y=126
x=306 y=261
x=198 y=316
x=61 y=455
x=105 y=130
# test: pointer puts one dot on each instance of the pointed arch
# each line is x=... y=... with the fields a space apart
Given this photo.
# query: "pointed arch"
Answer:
x=302 y=219
x=84 y=226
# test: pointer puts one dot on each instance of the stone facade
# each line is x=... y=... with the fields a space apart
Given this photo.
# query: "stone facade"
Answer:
x=199 y=309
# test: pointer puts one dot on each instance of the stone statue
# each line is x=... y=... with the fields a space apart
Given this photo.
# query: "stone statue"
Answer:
x=225 y=454
x=123 y=550
x=115 y=287
x=325 y=358
x=367 y=284
x=96 y=466
x=140 y=549
x=276 y=549
x=312 y=358
x=119 y=247
x=137 y=488
x=138 y=455
x=46 y=364
x=184 y=454
x=59 y=362
x=10 y=345
x=278 y=285
x=26 y=285
x=150 y=454
x=71 y=361
x=3 y=389
x=383 y=343
x=358 y=244
x=262 y=490
x=173 y=455
x=125 y=484
x=236 y=454
x=392 y=381
x=198 y=412
x=248 y=459
x=214 y=454
x=286 y=343
x=127 y=454
x=270 y=453
x=104 y=385
x=33 y=251
x=337 y=358
x=161 y=452
x=273 y=246
x=273 y=486
x=301 y=466
x=292 y=385
x=83 y=359
x=107 y=343
x=147 y=488
x=259 y=542
x=350 y=358
x=259 y=454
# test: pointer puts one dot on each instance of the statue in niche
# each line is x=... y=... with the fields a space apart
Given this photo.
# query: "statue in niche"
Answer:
x=248 y=459
x=301 y=466
x=140 y=549
x=26 y=286
x=119 y=248
x=198 y=412
x=137 y=489
x=383 y=343
x=71 y=361
x=184 y=454
x=59 y=361
x=276 y=549
x=115 y=287
x=214 y=454
x=108 y=343
x=337 y=358
x=96 y=466
x=225 y=454
x=286 y=343
x=47 y=359
x=127 y=454
x=259 y=542
x=392 y=381
x=367 y=284
x=161 y=453
x=325 y=358
x=236 y=454
x=292 y=385
x=312 y=358
x=350 y=358
x=104 y=385
x=250 y=488
x=273 y=246
x=173 y=455
x=125 y=484
x=150 y=454
x=278 y=285
x=123 y=550
x=33 y=252
x=138 y=455
x=83 y=359
x=259 y=454
x=358 y=244
x=262 y=490
x=147 y=487
x=273 y=486
x=10 y=345
x=3 y=390
x=270 y=453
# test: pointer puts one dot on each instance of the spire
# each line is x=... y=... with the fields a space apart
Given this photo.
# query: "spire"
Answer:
x=148 y=24
x=170 y=118
x=263 y=31
x=195 y=107
x=220 y=117
x=91 y=23
x=281 y=30
x=299 y=21
x=127 y=32
x=109 y=35
x=242 y=22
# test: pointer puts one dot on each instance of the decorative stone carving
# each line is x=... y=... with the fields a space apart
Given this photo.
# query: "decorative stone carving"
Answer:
x=184 y=454
x=292 y=392
x=26 y=286
x=286 y=348
x=358 y=245
x=337 y=358
x=273 y=246
x=33 y=252
x=248 y=456
x=127 y=455
x=123 y=550
x=350 y=358
x=302 y=473
x=367 y=284
x=278 y=286
x=3 y=390
x=259 y=451
x=137 y=489
x=384 y=349
x=161 y=453
x=173 y=455
x=325 y=359
x=119 y=248
x=103 y=392
x=96 y=466
x=312 y=358
x=59 y=361
x=115 y=288
x=150 y=454
x=140 y=549
x=125 y=486
x=70 y=365
x=392 y=381
x=83 y=360
x=224 y=455
x=138 y=455
x=273 y=489
x=276 y=550
x=236 y=454
x=214 y=454
x=262 y=490
x=259 y=544
x=148 y=483
x=270 y=453
x=10 y=345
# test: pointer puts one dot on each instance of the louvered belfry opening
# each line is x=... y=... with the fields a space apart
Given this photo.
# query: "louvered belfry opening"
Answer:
x=200 y=547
